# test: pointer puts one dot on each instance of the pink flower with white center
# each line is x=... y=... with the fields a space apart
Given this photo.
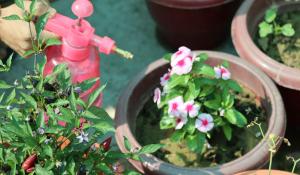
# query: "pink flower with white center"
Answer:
x=222 y=72
x=190 y=108
x=175 y=105
x=165 y=78
x=204 y=123
x=157 y=96
x=180 y=122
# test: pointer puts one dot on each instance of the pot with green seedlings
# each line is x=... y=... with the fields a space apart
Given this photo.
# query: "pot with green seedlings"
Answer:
x=203 y=102
x=267 y=34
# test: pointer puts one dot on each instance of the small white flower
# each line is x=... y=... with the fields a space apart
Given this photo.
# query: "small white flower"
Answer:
x=190 y=108
x=9 y=108
x=222 y=72
x=222 y=112
x=77 y=90
x=180 y=121
x=58 y=164
x=204 y=123
x=47 y=141
x=27 y=119
x=175 y=105
x=157 y=96
x=41 y=130
x=16 y=83
x=83 y=137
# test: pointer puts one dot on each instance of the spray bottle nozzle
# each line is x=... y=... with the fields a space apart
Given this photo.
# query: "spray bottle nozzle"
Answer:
x=123 y=53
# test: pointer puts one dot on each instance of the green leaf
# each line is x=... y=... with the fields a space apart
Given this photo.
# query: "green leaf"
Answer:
x=190 y=127
x=127 y=144
x=4 y=85
x=177 y=135
x=41 y=22
x=149 y=149
x=177 y=80
x=228 y=101
x=12 y=17
x=10 y=97
x=67 y=115
x=33 y=7
x=227 y=132
x=271 y=14
x=20 y=4
x=131 y=172
x=288 y=30
x=47 y=150
x=93 y=96
x=29 y=100
x=53 y=42
x=72 y=100
x=104 y=168
x=196 y=142
x=28 y=53
x=39 y=170
x=167 y=122
x=41 y=119
x=41 y=65
x=202 y=57
x=168 y=57
x=71 y=167
x=204 y=69
x=87 y=84
x=192 y=92
x=265 y=29
x=235 y=117
x=234 y=85
x=225 y=64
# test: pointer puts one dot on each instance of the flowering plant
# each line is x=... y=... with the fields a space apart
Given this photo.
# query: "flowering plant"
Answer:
x=48 y=129
x=197 y=99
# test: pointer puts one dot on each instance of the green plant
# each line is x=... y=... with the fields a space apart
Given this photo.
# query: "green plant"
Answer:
x=273 y=142
x=197 y=99
x=46 y=128
x=270 y=26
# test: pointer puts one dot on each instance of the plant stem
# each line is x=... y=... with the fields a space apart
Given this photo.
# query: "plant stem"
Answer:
x=270 y=163
x=32 y=42
x=295 y=164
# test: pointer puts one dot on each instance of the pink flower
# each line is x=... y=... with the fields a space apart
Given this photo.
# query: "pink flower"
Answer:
x=175 y=105
x=222 y=72
x=182 y=61
x=180 y=121
x=157 y=96
x=204 y=123
x=165 y=78
x=190 y=108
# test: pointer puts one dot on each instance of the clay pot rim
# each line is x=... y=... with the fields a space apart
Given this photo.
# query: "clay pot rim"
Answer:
x=190 y=4
x=122 y=127
x=265 y=172
x=241 y=36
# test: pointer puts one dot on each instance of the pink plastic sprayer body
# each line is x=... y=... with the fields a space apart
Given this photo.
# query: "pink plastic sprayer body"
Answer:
x=80 y=46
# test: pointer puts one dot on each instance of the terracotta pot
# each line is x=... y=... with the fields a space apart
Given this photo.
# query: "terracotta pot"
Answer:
x=198 y=24
x=142 y=86
x=243 y=30
x=265 y=172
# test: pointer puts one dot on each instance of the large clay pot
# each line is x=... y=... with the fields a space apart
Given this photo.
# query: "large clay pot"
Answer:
x=198 y=24
x=265 y=172
x=142 y=86
x=243 y=30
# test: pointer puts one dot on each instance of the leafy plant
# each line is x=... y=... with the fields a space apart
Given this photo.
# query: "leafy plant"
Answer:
x=197 y=99
x=270 y=27
x=48 y=129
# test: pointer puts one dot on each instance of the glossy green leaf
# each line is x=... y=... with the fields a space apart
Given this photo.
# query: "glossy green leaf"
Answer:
x=32 y=7
x=265 y=29
x=52 y=42
x=288 y=30
x=4 y=85
x=10 y=97
x=127 y=144
x=167 y=122
x=29 y=100
x=227 y=132
x=40 y=24
x=12 y=17
x=235 y=117
x=87 y=84
x=95 y=95
x=177 y=80
x=149 y=149
x=271 y=14
x=168 y=57
x=196 y=142
x=20 y=4
x=177 y=135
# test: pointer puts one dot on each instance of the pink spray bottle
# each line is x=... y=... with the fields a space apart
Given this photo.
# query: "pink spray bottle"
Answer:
x=79 y=46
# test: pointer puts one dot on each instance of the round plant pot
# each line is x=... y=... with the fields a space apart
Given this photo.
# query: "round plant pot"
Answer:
x=265 y=172
x=142 y=86
x=244 y=27
x=191 y=22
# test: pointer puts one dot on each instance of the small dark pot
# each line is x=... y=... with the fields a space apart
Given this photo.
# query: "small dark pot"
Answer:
x=141 y=88
x=197 y=24
x=244 y=27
